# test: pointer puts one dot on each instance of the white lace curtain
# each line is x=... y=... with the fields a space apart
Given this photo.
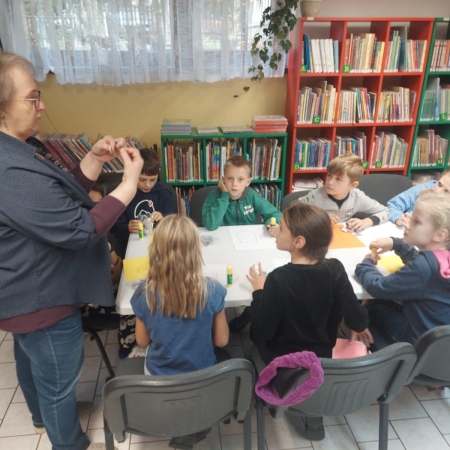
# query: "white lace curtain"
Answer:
x=115 y=42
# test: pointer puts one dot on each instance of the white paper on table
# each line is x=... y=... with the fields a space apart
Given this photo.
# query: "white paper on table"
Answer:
x=252 y=237
x=278 y=262
x=216 y=271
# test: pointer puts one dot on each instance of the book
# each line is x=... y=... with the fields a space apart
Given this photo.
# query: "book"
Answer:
x=208 y=130
x=236 y=128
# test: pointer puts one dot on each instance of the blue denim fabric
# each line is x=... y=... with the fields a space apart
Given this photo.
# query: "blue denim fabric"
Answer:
x=387 y=323
x=49 y=363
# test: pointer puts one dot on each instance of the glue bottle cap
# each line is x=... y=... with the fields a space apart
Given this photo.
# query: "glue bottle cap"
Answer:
x=229 y=270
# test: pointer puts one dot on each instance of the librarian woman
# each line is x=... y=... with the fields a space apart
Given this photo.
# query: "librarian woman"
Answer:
x=53 y=253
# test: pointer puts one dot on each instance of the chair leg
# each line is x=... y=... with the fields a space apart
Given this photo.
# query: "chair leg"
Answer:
x=96 y=337
x=109 y=438
x=384 y=426
x=260 y=425
x=248 y=431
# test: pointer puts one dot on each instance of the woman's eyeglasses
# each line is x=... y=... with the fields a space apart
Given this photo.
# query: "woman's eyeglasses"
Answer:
x=36 y=99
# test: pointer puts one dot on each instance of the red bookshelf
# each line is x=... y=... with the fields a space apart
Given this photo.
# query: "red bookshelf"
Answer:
x=381 y=30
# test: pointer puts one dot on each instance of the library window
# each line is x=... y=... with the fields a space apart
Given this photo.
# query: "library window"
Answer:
x=133 y=41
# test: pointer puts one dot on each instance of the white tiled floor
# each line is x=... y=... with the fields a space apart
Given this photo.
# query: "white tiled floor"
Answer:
x=420 y=420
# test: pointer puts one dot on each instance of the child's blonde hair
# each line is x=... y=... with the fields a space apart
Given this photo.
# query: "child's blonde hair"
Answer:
x=438 y=207
x=237 y=161
x=314 y=224
x=175 y=273
x=347 y=164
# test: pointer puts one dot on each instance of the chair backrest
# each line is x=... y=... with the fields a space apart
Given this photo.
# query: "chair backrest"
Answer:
x=178 y=405
x=196 y=204
x=354 y=383
x=174 y=196
x=433 y=357
x=383 y=186
x=288 y=199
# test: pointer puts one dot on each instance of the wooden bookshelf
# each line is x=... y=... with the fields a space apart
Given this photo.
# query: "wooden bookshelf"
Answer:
x=365 y=80
x=440 y=124
x=188 y=162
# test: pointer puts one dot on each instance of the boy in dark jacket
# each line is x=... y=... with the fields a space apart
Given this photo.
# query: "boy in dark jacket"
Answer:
x=152 y=200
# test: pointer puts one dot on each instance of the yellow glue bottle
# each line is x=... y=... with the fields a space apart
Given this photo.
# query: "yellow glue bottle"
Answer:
x=229 y=276
x=273 y=221
x=141 y=230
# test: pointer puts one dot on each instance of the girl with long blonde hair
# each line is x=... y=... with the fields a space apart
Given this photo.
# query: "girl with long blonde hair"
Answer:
x=179 y=313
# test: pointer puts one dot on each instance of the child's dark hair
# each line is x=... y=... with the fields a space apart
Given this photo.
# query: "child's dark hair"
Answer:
x=314 y=224
x=99 y=187
x=151 y=162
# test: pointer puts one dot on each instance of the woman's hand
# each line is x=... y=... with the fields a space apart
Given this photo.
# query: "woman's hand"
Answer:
x=108 y=148
x=256 y=277
x=132 y=164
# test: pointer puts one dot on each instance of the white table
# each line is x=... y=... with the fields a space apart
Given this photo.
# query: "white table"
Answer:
x=221 y=251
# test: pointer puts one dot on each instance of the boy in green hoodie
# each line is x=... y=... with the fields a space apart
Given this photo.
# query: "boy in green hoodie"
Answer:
x=234 y=203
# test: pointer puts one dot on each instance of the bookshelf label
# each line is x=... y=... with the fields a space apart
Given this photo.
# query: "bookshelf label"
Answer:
x=316 y=119
x=378 y=164
x=439 y=161
x=303 y=68
x=296 y=166
x=443 y=116
x=346 y=68
x=366 y=164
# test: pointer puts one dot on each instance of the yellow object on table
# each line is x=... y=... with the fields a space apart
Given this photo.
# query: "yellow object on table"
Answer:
x=135 y=268
x=391 y=263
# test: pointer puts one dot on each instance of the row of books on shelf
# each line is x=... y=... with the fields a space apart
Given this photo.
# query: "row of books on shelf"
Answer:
x=270 y=192
x=176 y=126
x=269 y=124
x=183 y=160
x=436 y=101
x=430 y=149
x=320 y=55
x=364 y=54
x=67 y=150
x=388 y=150
x=322 y=105
x=440 y=61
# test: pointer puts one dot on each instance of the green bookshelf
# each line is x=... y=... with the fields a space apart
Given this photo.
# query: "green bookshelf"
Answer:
x=191 y=161
x=441 y=127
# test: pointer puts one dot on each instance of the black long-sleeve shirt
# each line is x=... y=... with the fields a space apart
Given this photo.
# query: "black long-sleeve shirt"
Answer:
x=301 y=307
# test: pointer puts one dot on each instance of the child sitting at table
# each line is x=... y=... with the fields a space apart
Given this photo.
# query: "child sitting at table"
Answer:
x=235 y=203
x=127 y=327
x=301 y=304
x=179 y=312
x=402 y=205
x=341 y=198
x=152 y=200
x=422 y=285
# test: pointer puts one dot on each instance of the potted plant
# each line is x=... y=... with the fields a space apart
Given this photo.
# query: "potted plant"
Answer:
x=276 y=25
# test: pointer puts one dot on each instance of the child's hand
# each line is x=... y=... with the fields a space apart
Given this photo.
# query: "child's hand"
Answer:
x=404 y=220
x=256 y=277
x=222 y=186
x=156 y=216
x=334 y=218
x=383 y=245
x=374 y=257
x=364 y=336
x=273 y=230
x=357 y=225
x=133 y=226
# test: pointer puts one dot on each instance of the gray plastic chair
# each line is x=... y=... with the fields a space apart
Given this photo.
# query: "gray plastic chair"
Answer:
x=174 y=196
x=178 y=406
x=349 y=385
x=288 y=199
x=384 y=186
x=196 y=205
x=433 y=358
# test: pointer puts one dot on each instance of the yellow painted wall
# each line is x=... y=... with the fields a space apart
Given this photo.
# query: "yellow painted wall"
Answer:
x=139 y=109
